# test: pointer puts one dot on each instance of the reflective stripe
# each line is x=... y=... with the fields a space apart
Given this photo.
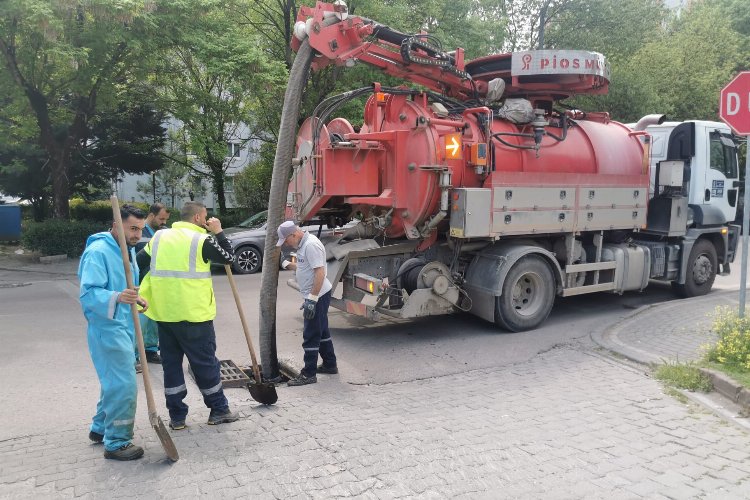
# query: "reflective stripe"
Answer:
x=170 y=391
x=191 y=273
x=326 y=340
x=122 y=422
x=310 y=348
x=112 y=305
x=212 y=390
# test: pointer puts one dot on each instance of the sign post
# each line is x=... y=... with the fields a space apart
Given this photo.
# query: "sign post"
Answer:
x=734 y=109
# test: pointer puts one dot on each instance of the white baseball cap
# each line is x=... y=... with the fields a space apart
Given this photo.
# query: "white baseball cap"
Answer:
x=285 y=230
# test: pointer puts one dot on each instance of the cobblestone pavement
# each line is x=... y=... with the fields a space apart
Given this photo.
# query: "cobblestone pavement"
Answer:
x=673 y=331
x=569 y=423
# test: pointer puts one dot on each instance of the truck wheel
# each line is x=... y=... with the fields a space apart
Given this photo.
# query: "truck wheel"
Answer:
x=701 y=270
x=528 y=295
x=247 y=260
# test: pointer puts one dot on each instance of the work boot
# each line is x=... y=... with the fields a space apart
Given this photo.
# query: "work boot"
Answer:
x=153 y=357
x=302 y=380
x=96 y=437
x=222 y=417
x=127 y=452
x=177 y=425
x=330 y=370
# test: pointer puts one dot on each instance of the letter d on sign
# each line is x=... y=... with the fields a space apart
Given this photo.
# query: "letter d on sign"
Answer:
x=733 y=103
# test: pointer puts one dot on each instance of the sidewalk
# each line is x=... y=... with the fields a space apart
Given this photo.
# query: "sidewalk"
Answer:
x=674 y=331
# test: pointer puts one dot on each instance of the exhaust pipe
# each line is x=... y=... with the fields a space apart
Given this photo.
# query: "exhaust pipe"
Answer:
x=655 y=119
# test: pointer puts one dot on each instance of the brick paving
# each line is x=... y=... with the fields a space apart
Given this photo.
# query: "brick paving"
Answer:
x=674 y=331
x=569 y=423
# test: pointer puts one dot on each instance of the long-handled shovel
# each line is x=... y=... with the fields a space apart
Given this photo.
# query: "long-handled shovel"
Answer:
x=262 y=392
x=156 y=423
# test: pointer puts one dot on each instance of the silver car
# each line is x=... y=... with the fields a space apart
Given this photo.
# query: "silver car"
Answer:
x=249 y=240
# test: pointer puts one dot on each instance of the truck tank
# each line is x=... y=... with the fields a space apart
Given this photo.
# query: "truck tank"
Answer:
x=411 y=148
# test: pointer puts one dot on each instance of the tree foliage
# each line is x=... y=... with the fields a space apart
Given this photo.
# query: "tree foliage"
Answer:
x=69 y=59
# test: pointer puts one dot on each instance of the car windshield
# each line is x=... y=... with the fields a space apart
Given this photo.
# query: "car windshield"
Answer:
x=256 y=220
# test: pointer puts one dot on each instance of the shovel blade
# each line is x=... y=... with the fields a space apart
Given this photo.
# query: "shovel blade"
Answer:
x=264 y=393
x=166 y=440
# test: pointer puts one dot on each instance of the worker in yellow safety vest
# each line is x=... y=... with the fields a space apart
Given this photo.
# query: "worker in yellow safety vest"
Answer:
x=176 y=279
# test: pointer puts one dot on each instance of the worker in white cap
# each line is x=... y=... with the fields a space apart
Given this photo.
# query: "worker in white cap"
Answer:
x=313 y=283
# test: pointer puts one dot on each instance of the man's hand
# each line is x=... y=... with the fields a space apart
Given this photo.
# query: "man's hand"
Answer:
x=214 y=225
x=308 y=308
x=127 y=296
x=142 y=304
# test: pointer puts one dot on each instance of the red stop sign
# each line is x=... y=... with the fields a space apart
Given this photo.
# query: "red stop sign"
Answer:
x=735 y=104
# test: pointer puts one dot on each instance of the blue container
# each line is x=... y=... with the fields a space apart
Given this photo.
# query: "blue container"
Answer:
x=10 y=222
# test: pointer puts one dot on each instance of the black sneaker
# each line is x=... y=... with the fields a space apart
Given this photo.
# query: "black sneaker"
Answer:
x=127 y=452
x=153 y=357
x=138 y=368
x=332 y=370
x=222 y=417
x=302 y=380
x=177 y=425
x=96 y=437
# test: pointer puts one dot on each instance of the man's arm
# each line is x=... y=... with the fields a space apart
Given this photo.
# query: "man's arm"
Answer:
x=143 y=260
x=318 y=278
x=218 y=249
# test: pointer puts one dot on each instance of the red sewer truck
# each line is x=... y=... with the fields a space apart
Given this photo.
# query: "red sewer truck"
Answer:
x=477 y=191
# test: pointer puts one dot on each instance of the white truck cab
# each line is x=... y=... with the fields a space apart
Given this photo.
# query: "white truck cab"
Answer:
x=710 y=153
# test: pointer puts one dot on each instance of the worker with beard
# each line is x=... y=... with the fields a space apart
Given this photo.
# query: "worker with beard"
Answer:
x=106 y=301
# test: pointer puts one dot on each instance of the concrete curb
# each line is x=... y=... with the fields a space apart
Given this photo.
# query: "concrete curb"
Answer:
x=730 y=389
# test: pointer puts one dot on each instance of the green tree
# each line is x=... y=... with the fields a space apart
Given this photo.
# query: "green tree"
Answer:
x=70 y=60
x=214 y=78
x=252 y=185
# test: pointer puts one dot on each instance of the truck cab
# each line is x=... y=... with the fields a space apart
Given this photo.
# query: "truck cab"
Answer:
x=710 y=155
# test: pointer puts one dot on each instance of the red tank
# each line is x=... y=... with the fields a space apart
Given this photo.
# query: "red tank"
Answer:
x=408 y=145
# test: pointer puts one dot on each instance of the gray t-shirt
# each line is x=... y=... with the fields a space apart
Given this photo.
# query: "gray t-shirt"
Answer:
x=311 y=254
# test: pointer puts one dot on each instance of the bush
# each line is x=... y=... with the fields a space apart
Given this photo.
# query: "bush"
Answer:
x=99 y=211
x=733 y=347
x=56 y=237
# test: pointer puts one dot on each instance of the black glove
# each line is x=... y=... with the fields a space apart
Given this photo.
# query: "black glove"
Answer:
x=308 y=309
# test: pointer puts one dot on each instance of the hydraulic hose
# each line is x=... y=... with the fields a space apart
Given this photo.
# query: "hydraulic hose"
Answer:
x=282 y=166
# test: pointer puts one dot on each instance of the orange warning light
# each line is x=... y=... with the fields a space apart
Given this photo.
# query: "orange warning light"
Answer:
x=453 y=149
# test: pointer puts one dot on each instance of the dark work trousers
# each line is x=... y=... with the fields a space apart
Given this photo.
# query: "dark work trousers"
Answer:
x=316 y=338
x=197 y=341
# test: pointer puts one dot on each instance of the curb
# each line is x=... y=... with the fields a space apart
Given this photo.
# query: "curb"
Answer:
x=728 y=388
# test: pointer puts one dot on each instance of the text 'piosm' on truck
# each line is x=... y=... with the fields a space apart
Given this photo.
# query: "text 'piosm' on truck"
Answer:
x=479 y=192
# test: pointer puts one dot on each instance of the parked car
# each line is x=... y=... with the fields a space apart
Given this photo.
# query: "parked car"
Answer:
x=249 y=240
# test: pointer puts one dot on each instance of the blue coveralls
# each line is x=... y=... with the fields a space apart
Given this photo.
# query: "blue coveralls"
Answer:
x=111 y=337
x=149 y=328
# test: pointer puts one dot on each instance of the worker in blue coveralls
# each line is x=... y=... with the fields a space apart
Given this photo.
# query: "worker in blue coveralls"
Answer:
x=156 y=219
x=106 y=301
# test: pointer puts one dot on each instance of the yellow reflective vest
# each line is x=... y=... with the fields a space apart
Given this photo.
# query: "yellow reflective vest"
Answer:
x=178 y=286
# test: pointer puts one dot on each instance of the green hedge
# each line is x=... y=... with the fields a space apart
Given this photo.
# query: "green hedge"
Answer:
x=99 y=211
x=56 y=237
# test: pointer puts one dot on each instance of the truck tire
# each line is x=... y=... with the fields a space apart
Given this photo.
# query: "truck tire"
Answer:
x=247 y=260
x=528 y=294
x=701 y=270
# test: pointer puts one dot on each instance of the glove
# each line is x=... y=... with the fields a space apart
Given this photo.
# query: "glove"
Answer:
x=308 y=308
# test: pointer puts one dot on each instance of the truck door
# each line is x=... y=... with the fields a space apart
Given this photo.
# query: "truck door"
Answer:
x=722 y=176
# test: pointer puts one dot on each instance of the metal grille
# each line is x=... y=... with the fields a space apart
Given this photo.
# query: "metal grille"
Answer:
x=231 y=375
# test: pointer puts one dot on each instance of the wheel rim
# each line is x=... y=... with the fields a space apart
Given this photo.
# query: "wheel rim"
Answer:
x=247 y=260
x=702 y=269
x=528 y=294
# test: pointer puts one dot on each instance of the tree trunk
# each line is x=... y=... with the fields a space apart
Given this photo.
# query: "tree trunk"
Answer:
x=60 y=186
x=218 y=183
x=282 y=167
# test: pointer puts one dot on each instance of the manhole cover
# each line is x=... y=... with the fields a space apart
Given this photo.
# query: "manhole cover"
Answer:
x=231 y=375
